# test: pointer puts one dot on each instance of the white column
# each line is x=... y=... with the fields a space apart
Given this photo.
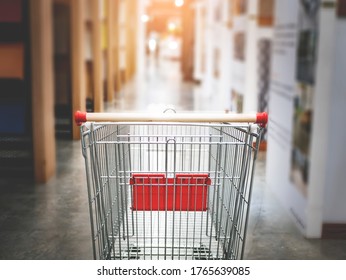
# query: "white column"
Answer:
x=321 y=121
x=250 y=94
x=225 y=59
x=209 y=45
x=197 y=73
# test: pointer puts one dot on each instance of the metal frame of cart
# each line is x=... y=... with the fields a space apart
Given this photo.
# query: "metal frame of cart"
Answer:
x=169 y=186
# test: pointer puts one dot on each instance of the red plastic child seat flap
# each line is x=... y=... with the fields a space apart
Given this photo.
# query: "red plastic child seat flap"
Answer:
x=155 y=192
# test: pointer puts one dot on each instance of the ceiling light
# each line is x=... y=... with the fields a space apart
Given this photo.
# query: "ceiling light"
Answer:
x=145 y=18
x=179 y=3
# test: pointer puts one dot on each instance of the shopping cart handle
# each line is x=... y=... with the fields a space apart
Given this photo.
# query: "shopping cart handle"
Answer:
x=259 y=118
x=262 y=119
x=80 y=117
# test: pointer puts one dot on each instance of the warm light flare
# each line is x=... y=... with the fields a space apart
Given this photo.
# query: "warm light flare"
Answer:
x=145 y=18
x=172 y=26
x=179 y=3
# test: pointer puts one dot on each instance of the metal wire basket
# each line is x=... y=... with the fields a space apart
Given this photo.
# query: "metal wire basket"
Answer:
x=169 y=190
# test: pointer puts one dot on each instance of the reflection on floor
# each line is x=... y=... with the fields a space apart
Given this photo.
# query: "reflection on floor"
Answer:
x=51 y=221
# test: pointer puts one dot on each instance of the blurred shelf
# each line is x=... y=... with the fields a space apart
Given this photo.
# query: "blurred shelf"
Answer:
x=11 y=32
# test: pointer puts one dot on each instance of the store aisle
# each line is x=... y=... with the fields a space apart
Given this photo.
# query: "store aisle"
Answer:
x=271 y=233
x=158 y=87
x=51 y=221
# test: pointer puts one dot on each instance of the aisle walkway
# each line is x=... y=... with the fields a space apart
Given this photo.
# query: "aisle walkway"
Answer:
x=51 y=221
x=159 y=87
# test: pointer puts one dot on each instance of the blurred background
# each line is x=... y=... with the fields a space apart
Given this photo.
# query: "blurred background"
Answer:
x=284 y=57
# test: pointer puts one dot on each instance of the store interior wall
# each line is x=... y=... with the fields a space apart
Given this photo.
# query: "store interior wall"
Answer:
x=335 y=191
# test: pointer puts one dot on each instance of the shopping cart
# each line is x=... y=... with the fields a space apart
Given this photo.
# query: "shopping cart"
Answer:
x=169 y=186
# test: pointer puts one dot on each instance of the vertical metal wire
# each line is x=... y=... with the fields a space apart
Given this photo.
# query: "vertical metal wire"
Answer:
x=151 y=218
x=218 y=164
x=126 y=222
x=232 y=186
x=118 y=197
x=109 y=201
x=131 y=189
x=187 y=221
x=100 y=198
x=258 y=140
x=203 y=188
x=86 y=152
x=159 y=207
x=174 y=192
x=209 y=168
x=181 y=197
x=219 y=225
x=214 y=195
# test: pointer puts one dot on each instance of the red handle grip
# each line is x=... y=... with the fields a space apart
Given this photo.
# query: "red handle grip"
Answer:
x=262 y=119
x=80 y=117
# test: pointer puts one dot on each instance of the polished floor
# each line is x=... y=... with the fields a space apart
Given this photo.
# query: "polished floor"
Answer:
x=51 y=221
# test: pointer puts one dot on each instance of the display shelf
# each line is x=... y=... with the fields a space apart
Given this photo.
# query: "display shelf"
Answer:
x=16 y=143
x=12 y=60
x=11 y=32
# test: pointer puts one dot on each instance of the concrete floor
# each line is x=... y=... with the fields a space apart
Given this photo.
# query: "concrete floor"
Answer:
x=51 y=221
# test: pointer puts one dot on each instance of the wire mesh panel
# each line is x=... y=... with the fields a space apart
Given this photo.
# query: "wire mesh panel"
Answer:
x=169 y=191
